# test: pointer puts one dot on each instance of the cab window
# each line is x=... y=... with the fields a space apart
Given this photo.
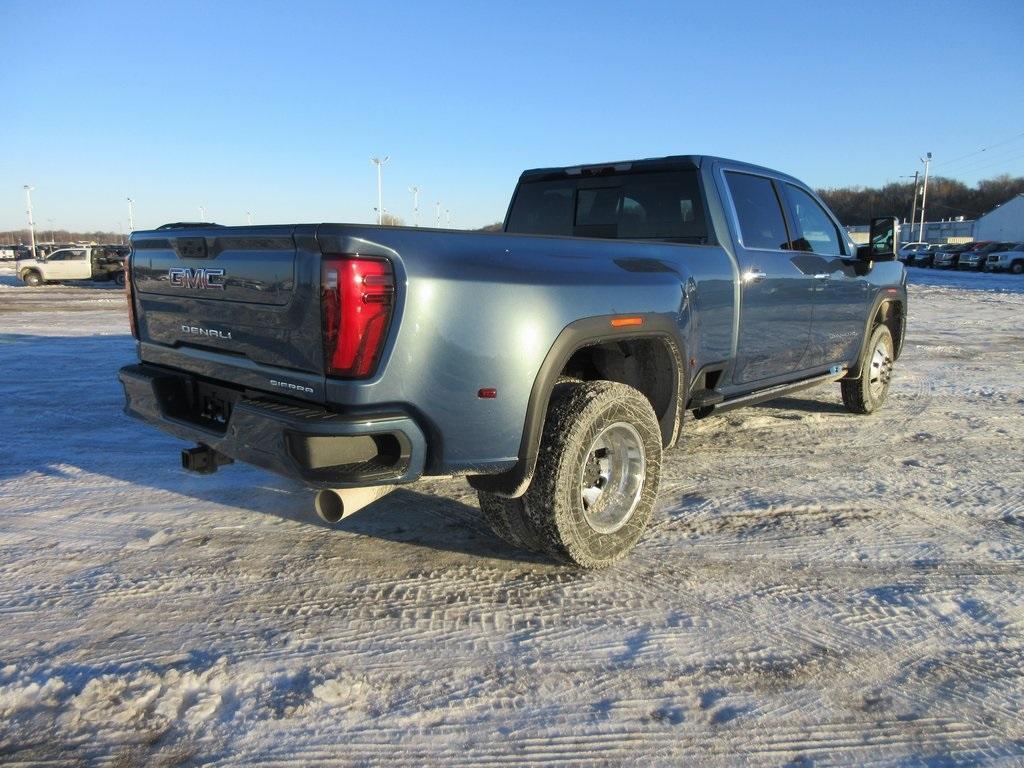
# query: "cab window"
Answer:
x=758 y=210
x=816 y=231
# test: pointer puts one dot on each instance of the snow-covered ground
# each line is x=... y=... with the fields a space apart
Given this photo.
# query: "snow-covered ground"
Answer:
x=819 y=588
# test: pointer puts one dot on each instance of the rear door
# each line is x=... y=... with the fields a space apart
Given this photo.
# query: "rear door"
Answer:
x=238 y=296
x=776 y=295
x=840 y=280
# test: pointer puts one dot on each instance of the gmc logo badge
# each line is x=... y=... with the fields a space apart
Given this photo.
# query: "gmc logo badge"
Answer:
x=201 y=278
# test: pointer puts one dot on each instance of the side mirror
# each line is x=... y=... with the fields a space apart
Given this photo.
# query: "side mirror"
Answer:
x=883 y=240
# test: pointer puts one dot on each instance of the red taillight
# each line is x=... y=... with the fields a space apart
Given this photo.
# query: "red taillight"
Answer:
x=132 y=321
x=356 y=297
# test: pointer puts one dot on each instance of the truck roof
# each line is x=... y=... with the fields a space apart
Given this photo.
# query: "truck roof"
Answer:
x=648 y=164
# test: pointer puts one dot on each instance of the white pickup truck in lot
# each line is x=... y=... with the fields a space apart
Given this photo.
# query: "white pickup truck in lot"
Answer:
x=87 y=262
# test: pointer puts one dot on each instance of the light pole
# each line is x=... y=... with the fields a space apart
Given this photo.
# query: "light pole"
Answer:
x=415 y=205
x=131 y=214
x=437 y=214
x=202 y=213
x=248 y=217
x=31 y=221
x=927 y=160
x=380 y=186
x=448 y=218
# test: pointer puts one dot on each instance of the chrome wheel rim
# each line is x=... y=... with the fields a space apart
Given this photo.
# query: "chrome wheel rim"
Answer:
x=612 y=477
x=880 y=371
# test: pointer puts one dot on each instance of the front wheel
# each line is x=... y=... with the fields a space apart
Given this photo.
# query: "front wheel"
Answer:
x=868 y=391
x=597 y=476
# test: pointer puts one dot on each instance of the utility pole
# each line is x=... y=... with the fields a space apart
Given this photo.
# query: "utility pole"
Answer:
x=927 y=160
x=913 y=205
x=131 y=214
x=31 y=221
x=437 y=214
x=415 y=205
x=380 y=186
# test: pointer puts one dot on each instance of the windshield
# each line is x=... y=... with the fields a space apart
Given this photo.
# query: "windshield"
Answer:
x=642 y=206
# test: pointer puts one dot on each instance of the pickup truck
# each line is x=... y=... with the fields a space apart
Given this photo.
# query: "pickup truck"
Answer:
x=87 y=262
x=550 y=364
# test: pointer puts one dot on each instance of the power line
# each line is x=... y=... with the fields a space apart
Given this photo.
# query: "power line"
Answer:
x=983 y=166
x=983 y=149
x=987 y=160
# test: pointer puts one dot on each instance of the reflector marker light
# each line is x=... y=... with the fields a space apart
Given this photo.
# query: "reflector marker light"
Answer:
x=622 y=322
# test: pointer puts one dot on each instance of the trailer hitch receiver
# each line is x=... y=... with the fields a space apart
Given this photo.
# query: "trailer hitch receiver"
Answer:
x=203 y=460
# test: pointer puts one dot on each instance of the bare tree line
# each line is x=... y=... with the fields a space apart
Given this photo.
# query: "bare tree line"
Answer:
x=13 y=237
x=947 y=199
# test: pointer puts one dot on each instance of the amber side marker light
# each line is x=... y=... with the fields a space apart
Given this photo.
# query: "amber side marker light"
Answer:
x=622 y=322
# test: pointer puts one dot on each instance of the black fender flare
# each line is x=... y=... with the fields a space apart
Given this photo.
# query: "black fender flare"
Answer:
x=585 y=332
x=898 y=295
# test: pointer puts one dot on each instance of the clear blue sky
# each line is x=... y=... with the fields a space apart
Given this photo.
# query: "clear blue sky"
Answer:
x=277 y=107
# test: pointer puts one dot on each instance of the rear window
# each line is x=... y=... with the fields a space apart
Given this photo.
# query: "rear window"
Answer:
x=643 y=206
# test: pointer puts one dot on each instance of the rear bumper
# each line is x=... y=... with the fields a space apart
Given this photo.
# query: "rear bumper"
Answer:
x=319 y=448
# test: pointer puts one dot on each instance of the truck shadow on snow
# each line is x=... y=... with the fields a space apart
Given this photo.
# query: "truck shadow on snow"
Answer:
x=84 y=432
x=803 y=404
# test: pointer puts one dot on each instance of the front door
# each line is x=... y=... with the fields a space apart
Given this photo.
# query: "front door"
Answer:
x=841 y=295
x=59 y=265
x=776 y=296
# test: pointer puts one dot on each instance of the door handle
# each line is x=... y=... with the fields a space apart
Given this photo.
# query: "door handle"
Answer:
x=754 y=275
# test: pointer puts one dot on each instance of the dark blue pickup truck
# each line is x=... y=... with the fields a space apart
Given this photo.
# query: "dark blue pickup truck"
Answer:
x=551 y=364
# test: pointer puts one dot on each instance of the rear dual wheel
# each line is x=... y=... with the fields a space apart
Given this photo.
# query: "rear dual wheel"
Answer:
x=596 y=480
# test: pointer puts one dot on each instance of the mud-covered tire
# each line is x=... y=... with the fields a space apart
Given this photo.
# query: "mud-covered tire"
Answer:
x=579 y=414
x=32 y=279
x=867 y=392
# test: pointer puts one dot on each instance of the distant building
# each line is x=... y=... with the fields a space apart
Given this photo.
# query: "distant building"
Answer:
x=1005 y=222
x=952 y=231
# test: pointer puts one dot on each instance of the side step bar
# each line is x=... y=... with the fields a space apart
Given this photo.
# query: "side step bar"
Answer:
x=834 y=374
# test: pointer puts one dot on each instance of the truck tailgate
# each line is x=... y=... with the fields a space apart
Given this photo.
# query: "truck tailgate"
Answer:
x=248 y=293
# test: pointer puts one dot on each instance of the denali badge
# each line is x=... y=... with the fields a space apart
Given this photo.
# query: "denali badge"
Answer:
x=195 y=330
x=289 y=385
x=201 y=277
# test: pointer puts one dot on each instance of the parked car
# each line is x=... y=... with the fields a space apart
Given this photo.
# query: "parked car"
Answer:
x=14 y=252
x=976 y=257
x=923 y=257
x=906 y=252
x=78 y=263
x=551 y=362
x=948 y=256
x=1009 y=260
